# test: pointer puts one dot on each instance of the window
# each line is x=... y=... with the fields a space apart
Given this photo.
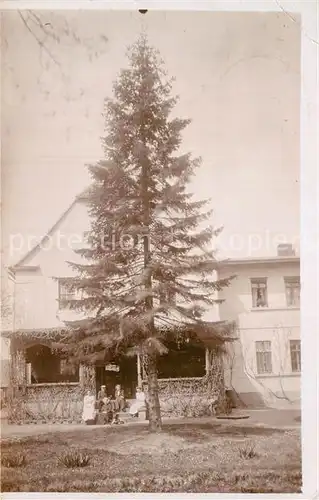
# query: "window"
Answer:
x=168 y=297
x=292 y=286
x=263 y=356
x=65 y=294
x=259 y=292
x=44 y=366
x=184 y=359
x=167 y=294
x=295 y=355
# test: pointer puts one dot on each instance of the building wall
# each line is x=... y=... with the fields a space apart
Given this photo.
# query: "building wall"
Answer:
x=277 y=323
x=36 y=292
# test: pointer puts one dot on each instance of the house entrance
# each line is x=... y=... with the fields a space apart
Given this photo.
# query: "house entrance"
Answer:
x=120 y=371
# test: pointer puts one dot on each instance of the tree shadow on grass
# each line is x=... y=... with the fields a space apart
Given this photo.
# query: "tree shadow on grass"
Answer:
x=194 y=431
x=200 y=432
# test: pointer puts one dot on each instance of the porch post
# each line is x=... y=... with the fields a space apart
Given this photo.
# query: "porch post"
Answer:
x=28 y=371
x=18 y=368
x=139 y=372
x=17 y=385
x=87 y=377
x=219 y=382
x=207 y=361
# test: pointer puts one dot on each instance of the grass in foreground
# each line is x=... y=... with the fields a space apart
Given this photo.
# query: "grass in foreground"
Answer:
x=183 y=458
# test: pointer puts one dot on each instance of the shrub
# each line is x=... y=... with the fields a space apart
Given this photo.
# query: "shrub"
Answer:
x=74 y=458
x=187 y=406
x=9 y=486
x=13 y=460
x=247 y=451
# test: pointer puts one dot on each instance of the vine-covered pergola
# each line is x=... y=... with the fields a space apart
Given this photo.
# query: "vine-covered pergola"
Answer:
x=211 y=336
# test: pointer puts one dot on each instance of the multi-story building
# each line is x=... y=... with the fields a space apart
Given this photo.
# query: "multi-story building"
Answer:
x=264 y=364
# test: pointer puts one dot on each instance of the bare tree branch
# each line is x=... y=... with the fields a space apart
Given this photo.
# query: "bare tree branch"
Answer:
x=40 y=42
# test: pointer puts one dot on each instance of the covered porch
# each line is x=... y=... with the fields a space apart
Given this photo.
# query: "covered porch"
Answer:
x=43 y=388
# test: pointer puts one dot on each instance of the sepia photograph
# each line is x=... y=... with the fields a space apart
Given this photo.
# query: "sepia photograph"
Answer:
x=150 y=251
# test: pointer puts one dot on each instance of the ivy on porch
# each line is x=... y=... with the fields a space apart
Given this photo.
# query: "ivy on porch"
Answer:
x=63 y=401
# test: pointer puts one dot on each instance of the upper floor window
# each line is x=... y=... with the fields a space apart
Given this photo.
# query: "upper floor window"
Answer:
x=168 y=297
x=65 y=294
x=295 y=355
x=292 y=285
x=263 y=356
x=259 y=292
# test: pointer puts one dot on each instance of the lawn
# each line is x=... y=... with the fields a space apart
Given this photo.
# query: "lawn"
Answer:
x=197 y=457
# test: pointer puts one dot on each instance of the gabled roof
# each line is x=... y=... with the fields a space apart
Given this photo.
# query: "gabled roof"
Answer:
x=82 y=197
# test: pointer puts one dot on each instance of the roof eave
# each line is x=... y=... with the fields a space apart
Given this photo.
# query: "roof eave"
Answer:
x=16 y=268
x=258 y=261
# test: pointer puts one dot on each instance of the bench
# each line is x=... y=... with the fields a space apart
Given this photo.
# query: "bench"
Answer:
x=142 y=414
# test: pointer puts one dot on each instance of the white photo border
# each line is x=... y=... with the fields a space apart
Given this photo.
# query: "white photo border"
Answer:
x=309 y=182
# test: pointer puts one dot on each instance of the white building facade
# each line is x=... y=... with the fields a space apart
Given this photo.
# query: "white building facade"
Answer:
x=264 y=364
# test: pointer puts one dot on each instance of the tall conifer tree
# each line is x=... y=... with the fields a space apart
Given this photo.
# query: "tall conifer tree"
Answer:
x=149 y=262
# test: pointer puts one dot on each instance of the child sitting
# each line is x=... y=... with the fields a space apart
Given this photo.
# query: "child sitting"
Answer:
x=105 y=415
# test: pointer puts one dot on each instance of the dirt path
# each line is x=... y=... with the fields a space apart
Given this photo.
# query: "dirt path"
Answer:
x=287 y=419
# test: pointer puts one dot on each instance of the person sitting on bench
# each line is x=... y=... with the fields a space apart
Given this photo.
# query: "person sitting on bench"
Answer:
x=118 y=404
x=139 y=402
x=105 y=407
x=119 y=400
x=89 y=411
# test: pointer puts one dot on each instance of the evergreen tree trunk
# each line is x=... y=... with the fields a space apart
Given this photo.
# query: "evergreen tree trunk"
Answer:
x=154 y=412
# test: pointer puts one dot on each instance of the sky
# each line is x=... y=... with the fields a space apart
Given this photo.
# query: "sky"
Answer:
x=238 y=79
